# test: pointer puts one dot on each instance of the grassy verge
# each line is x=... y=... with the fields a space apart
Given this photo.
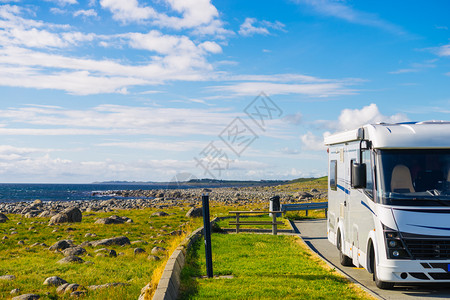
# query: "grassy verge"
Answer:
x=301 y=215
x=263 y=267
x=33 y=264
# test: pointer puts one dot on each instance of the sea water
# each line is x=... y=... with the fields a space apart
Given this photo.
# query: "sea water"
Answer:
x=16 y=192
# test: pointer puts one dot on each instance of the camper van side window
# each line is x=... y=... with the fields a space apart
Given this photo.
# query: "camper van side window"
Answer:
x=333 y=175
x=369 y=174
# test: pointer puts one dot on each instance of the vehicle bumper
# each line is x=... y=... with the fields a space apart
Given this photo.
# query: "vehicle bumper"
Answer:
x=415 y=271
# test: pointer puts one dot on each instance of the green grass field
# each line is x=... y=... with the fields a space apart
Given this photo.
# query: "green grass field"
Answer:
x=263 y=267
x=32 y=265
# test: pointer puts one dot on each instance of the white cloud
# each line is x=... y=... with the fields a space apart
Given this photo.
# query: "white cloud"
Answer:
x=349 y=119
x=30 y=167
x=128 y=11
x=157 y=145
x=313 y=142
x=58 y=11
x=200 y=15
x=352 y=118
x=85 y=13
x=294 y=119
x=114 y=120
x=178 y=57
x=63 y=2
x=249 y=28
x=194 y=12
x=310 y=89
x=443 y=50
x=26 y=68
x=403 y=71
x=337 y=9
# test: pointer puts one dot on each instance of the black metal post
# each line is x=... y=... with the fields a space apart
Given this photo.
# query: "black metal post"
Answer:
x=207 y=235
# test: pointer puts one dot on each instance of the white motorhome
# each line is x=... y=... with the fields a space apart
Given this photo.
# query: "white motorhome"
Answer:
x=389 y=200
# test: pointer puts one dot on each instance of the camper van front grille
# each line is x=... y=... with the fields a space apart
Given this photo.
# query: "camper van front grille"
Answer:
x=428 y=248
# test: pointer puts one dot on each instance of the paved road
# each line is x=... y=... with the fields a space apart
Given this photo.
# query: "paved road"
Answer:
x=313 y=233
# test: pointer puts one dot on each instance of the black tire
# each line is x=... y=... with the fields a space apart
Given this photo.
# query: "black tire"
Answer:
x=380 y=284
x=343 y=259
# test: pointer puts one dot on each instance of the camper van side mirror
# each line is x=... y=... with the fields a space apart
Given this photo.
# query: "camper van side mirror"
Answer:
x=359 y=179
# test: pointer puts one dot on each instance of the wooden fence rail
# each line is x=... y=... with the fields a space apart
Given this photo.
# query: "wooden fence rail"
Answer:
x=305 y=206
x=274 y=221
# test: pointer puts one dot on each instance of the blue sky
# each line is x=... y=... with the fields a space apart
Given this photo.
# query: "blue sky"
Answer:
x=139 y=90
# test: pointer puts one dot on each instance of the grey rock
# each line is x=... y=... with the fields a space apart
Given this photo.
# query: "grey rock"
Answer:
x=113 y=220
x=160 y=214
x=138 y=251
x=194 y=212
x=157 y=250
x=26 y=297
x=7 y=277
x=177 y=232
x=15 y=291
x=46 y=214
x=153 y=257
x=32 y=214
x=86 y=244
x=121 y=240
x=73 y=214
x=3 y=218
x=77 y=294
x=70 y=259
x=61 y=245
x=61 y=289
x=304 y=195
x=106 y=285
x=74 y=251
x=54 y=281
x=139 y=242
x=106 y=252
x=59 y=218
x=67 y=288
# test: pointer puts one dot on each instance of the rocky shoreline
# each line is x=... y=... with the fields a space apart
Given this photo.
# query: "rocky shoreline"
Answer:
x=159 y=199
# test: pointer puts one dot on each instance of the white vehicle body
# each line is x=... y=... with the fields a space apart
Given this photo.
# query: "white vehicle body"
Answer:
x=389 y=200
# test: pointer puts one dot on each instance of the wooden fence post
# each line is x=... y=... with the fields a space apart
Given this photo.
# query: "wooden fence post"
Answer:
x=274 y=224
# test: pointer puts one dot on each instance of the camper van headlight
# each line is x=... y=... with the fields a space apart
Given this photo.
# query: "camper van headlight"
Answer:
x=394 y=244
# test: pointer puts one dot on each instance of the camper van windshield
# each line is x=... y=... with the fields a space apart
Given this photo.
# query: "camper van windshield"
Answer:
x=414 y=177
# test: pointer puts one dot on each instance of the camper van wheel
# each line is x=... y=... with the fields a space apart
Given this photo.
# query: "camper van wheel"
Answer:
x=343 y=259
x=380 y=284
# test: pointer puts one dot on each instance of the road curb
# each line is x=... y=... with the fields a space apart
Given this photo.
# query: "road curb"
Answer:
x=169 y=284
x=336 y=268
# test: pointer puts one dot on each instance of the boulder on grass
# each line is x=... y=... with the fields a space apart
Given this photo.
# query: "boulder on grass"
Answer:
x=121 y=240
x=74 y=251
x=61 y=245
x=26 y=297
x=194 y=212
x=3 y=218
x=71 y=259
x=54 y=281
x=71 y=215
